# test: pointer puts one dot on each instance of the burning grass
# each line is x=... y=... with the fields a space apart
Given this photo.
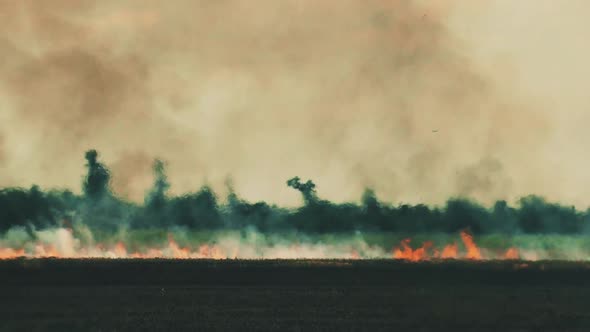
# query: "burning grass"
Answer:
x=180 y=244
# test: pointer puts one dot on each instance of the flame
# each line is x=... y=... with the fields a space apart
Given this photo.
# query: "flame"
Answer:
x=47 y=251
x=406 y=252
x=207 y=251
x=512 y=253
x=9 y=253
x=472 y=249
x=449 y=252
x=173 y=250
x=120 y=250
x=177 y=252
x=67 y=246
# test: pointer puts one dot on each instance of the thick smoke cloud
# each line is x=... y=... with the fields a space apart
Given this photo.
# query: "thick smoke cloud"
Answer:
x=2 y=148
x=351 y=94
x=130 y=172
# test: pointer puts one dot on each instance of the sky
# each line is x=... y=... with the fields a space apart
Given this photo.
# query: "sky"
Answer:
x=419 y=100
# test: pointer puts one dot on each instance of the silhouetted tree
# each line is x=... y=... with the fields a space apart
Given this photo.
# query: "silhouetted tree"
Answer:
x=96 y=183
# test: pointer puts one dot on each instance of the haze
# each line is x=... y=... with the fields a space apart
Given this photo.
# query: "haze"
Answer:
x=419 y=100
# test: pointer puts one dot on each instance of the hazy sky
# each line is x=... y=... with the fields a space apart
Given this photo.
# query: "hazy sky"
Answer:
x=347 y=93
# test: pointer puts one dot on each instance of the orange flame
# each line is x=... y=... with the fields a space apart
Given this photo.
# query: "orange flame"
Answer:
x=9 y=253
x=177 y=252
x=70 y=248
x=407 y=253
x=210 y=251
x=512 y=253
x=46 y=251
x=120 y=250
x=472 y=249
x=449 y=251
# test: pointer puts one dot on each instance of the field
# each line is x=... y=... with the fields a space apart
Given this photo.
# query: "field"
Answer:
x=292 y=295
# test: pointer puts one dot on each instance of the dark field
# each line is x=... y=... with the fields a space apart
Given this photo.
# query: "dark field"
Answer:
x=177 y=295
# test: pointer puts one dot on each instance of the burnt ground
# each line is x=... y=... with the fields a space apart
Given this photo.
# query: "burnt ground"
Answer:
x=306 y=295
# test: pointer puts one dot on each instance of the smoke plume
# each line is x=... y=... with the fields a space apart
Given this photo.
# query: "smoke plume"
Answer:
x=400 y=96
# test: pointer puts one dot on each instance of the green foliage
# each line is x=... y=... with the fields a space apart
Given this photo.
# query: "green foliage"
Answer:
x=100 y=210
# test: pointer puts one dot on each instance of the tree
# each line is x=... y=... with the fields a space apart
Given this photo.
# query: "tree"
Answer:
x=307 y=189
x=96 y=183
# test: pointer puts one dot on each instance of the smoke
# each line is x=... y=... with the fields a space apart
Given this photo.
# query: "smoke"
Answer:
x=483 y=179
x=2 y=148
x=130 y=172
x=390 y=95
